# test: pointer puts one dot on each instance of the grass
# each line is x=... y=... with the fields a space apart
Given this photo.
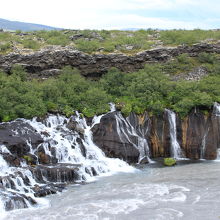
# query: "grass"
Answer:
x=104 y=41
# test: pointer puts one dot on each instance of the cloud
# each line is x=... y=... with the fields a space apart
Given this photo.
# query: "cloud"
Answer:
x=111 y=14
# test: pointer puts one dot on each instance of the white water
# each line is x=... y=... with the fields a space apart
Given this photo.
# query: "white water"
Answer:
x=216 y=109
x=216 y=112
x=204 y=145
x=176 y=151
x=153 y=194
x=125 y=129
x=67 y=150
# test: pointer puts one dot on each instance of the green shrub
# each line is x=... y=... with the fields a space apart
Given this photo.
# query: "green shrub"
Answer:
x=31 y=44
x=87 y=46
x=207 y=58
x=5 y=47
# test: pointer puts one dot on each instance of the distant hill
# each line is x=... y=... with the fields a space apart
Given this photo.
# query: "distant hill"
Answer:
x=17 y=25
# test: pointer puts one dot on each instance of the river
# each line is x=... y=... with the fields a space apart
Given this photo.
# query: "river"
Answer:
x=189 y=191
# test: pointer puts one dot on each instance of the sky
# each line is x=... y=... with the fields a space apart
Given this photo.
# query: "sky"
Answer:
x=115 y=14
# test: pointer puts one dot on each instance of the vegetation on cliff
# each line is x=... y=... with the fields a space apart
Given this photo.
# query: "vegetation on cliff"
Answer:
x=152 y=88
x=94 y=41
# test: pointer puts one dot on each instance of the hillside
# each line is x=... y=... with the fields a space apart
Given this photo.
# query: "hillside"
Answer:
x=62 y=71
x=23 y=26
x=103 y=41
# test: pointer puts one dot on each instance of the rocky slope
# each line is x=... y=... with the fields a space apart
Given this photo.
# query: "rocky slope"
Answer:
x=48 y=62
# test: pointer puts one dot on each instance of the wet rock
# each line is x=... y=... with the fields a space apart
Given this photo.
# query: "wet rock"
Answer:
x=17 y=135
x=75 y=126
x=57 y=173
x=16 y=200
x=106 y=137
x=42 y=191
x=144 y=160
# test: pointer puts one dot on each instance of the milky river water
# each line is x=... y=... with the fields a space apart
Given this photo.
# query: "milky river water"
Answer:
x=189 y=191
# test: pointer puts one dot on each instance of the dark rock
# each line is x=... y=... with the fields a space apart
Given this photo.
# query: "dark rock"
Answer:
x=42 y=191
x=64 y=173
x=106 y=137
x=76 y=36
x=18 y=201
x=14 y=136
x=49 y=61
x=144 y=160
x=75 y=126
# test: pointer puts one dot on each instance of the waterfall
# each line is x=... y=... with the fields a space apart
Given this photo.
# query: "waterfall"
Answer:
x=202 y=154
x=73 y=150
x=216 y=112
x=216 y=109
x=112 y=107
x=126 y=131
x=176 y=151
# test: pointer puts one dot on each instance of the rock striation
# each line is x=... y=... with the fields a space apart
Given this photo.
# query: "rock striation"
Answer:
x=197 y=135
x=48 y=62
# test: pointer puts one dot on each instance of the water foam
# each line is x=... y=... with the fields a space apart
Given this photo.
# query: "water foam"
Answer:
x=68 y=150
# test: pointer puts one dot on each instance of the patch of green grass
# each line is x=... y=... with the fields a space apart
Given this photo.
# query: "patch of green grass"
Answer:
x=31 y=44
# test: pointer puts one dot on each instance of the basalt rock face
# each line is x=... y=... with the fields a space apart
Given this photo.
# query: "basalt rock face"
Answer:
x=107 y=135
x=17 y=137
x=48 y=62
x=198 y=136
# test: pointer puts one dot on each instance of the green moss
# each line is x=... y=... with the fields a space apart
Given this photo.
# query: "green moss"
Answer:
x=169 y=161
x=28 y=158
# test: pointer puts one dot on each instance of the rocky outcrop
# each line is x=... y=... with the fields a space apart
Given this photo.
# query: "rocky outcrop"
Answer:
x=195 y=75
x=197 y=135
x=108 y=136
x=17 y=135
x=48 y=62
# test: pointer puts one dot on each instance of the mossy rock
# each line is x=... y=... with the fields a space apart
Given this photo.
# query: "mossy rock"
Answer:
x=28 y=159
x=169 y=161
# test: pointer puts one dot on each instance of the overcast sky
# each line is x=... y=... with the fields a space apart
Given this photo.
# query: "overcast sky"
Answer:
x=115 y=14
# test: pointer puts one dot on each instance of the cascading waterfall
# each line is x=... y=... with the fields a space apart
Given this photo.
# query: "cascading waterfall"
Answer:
x=216 y=109
x=203 y=149
x=216 y=112
x=176 y=151
x=125 y=130
x=70 y=148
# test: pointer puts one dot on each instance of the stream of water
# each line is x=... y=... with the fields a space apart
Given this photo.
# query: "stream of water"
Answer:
x=152 y=193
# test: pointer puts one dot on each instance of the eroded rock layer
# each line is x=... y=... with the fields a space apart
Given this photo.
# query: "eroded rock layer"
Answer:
x=48 y=62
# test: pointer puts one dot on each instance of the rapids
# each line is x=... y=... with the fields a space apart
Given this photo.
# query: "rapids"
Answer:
x=154 y=193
